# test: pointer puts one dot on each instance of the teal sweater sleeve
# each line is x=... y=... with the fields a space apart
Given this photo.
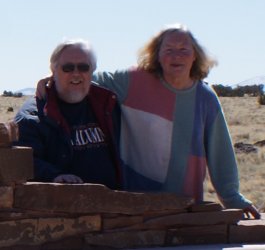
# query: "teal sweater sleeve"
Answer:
x=222 y=164
x=118 y=82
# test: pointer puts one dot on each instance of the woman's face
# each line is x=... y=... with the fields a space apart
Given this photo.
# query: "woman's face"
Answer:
x=176 y=56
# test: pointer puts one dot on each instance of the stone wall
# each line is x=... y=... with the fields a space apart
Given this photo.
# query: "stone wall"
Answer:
x=89 y=216
x=39 y=216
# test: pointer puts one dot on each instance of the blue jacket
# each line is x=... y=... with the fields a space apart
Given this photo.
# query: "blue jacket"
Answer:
x=42 y=127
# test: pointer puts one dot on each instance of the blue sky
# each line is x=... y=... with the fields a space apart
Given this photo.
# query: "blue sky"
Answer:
x=231 y=30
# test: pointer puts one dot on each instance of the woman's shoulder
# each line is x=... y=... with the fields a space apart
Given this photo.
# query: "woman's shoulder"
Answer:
x=208 y=94
x=206 y=89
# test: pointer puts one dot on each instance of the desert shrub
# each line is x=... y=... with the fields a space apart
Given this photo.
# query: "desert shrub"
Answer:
x=18 y=94
x=222 y=90
x=10 y=109
x=239 y=91
x=11 y=94
x=7 y=93
x=261 y=99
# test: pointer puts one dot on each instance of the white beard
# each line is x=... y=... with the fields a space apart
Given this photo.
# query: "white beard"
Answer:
x=73 y=95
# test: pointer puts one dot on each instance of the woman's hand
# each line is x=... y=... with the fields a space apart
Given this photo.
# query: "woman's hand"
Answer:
x=251 y=210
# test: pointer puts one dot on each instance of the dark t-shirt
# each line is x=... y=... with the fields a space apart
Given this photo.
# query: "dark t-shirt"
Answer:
x=91 y=160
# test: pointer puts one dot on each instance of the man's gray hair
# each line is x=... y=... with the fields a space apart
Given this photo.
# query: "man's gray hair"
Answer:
x=78 y=43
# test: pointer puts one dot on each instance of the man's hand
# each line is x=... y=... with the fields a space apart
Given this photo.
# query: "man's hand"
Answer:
x=251 y=210
x=68 y=178
x=41 y=85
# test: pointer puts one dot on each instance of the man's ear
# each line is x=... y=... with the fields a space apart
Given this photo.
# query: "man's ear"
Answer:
x=40 y=90
x=51 y=81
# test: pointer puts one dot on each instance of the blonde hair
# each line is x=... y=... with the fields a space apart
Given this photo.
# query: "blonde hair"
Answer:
x=148 y=55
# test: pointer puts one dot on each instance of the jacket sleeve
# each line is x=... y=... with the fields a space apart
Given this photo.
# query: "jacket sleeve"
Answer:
x=222 y=163
x=31 y=134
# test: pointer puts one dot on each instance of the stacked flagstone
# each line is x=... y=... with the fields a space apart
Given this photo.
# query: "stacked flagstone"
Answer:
x=89 y=216
x=39 y=216
x=16 y=163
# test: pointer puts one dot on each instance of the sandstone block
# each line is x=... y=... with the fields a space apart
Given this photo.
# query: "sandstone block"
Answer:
x=8 y=134
x=6 y=197
x=57 y=228
x=39 y=231
x=120 y=222
x=154 y=214
x=248 y=231
x=70 y=243
x=127 y=239
x=17 y=232
x=4 y=136
x=12 y=214
x=19 y=214
x=214 y=234
x=92 y=198
x=205 y=206
x=16 y=165
x=227 y=216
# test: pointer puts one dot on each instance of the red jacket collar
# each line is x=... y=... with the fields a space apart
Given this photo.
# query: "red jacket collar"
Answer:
x=102 y=101
x=51 y=109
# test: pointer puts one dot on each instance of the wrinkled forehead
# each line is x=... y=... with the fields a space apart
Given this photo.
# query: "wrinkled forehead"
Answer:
x=74 y=54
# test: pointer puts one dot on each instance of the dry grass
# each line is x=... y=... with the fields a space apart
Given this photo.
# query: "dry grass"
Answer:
x=246 y=120
x=8 y=103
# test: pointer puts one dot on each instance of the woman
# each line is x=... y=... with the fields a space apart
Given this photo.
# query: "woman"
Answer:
x=172 y=122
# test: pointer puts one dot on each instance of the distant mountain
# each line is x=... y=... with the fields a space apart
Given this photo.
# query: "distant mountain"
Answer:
x=253 y=81
x=27 y=91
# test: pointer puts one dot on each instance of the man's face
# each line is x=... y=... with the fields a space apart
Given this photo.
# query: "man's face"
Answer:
x=73 y=75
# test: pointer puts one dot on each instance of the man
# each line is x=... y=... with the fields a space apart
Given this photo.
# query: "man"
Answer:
x=72 y=131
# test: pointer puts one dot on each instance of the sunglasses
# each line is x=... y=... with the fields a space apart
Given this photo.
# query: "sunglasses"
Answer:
x=70 y=67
